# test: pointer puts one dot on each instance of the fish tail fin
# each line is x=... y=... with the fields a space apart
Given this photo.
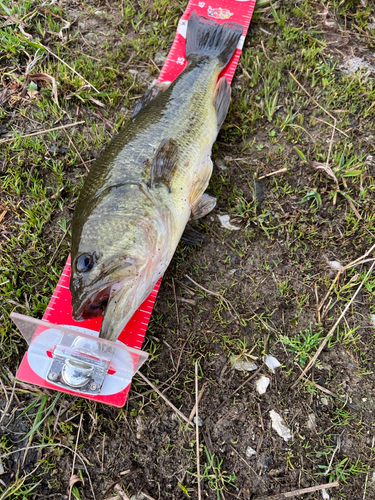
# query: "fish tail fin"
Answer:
x=208 y=37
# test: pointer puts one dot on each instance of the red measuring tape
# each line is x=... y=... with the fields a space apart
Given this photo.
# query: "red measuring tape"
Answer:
x=50 y=343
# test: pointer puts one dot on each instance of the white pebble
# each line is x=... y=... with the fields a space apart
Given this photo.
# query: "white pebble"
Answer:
x=243 y=366
x=325 y=495
x=200 y=421
x=311 y=421
x=334 y=264
x=271 y=362
x=279 y=426
x=224 y=220
x=250 y=451
x=262 y=384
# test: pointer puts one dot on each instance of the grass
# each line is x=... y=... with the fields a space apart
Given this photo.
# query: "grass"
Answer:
x=274 y=271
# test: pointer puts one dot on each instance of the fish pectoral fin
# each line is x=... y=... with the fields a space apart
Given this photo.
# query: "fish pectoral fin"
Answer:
x=192 y=236
x=164 y=163
x=149 y=96
x=222 y=100
x=203 y=206
x=200 y=183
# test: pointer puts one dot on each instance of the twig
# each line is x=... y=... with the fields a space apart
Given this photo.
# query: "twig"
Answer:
x=22 y=480
x=197 y=430
x=216 y=294
x=356 y=262
x=264 y=50
x=75 y=454
x=239 y=456
x=121 y=493
x=261 y=419
x=66 y=64
x=328 y=113
x=147 y=496
x=175 y=301
x=58 y=246
x=165 y=399
x=192 y=413
x=332 y=330
x=9 y=401
x=53 y=445
x=244 y=71
x=365 y=488
x=3 y=214
x=321 y=388
x=338 y=446
x=238 y=388
x=295 y=493
x=46 y=131
x=281 y=170
x=330 y=124
x=316 y=102
x=76 y=150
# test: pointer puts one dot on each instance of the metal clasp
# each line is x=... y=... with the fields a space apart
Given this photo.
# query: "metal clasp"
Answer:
x=78 y=365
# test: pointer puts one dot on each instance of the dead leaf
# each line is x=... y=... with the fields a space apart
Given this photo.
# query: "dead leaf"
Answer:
x=98 y=103
x=46 y=78
x=121 y=493
x=328 y=170
x=73 y=480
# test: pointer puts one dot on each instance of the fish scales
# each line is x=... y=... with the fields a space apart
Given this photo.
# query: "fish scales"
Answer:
x=140 y=193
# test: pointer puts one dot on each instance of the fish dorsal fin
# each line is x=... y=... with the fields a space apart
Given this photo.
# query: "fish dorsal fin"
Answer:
x=204 y=205
x=149 y=96
x=164 y=163
x=201 y=180
x=222 y=100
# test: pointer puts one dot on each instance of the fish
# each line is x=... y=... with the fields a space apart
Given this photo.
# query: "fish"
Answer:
x=149 y=182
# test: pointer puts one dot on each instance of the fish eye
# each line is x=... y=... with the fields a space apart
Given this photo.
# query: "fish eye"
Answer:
x=84 y=263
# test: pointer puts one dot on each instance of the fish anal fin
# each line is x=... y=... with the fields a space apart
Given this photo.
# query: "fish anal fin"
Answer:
x=203 y=206
x=192 y=236
x=164 y=163
x=222 y=100
x=149 y=96
x=201 y=180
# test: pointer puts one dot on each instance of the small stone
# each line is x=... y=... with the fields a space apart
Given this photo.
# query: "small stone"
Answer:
x=334 y=264
x=140 y=496
x=1 y=468
x=200 y=421
x=311 y=421
x=325 y=495
x=160 y=58
x=262 y=384
x=279 y=426
x=224 y=220
x=243 y=366
x=271 y=362
x=220 y=164
x=250 y=451
x=372 y=319
x=353 y=64
x=324 y=401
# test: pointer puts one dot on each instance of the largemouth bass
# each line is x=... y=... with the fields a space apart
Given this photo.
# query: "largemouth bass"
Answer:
x=150 y=180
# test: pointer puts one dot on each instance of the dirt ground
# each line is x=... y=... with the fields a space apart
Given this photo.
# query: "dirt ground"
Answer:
x=294 y=168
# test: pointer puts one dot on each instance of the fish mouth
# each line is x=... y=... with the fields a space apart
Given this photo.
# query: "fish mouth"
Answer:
x=96 y=303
